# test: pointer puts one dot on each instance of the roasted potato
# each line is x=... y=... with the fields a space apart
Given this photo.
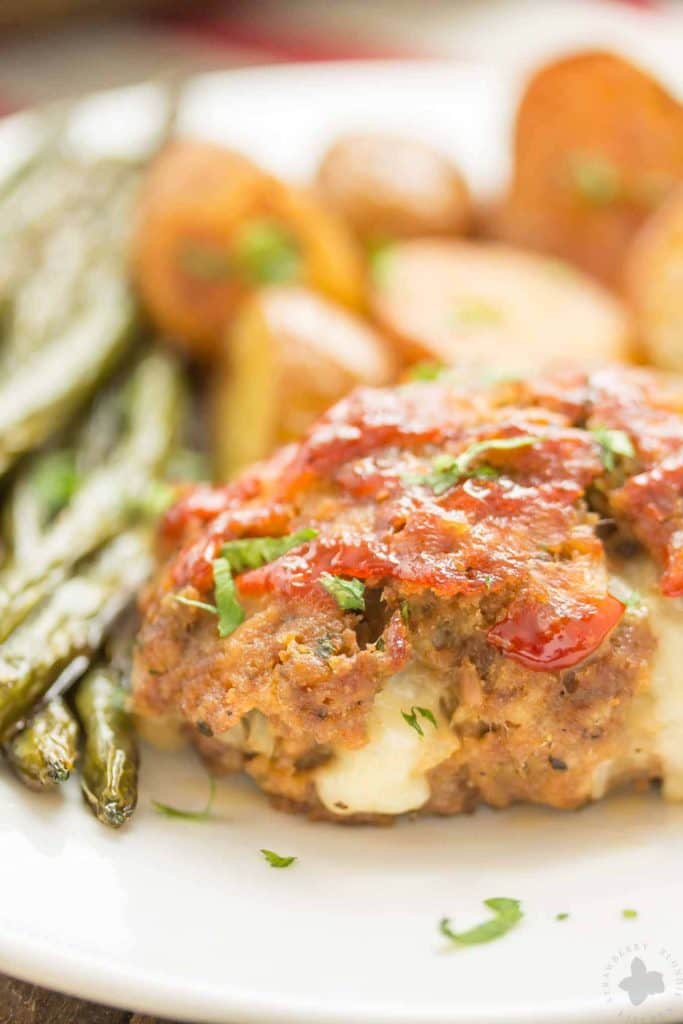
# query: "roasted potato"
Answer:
x=212 y=226
x=388 y=187
x=654 y=283
x=487 y=304
x=598 y=145
x=289 y=355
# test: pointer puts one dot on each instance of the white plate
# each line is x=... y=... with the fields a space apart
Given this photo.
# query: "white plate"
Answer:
x=186 y=920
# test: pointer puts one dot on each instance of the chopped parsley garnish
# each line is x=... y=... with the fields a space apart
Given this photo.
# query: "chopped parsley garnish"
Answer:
x=349 y=594
x=595 y=178
x=265 y=252
x=476 y=312
x=175 y=812
x=612 y=443
x=253 y=552
x=488 y=581
x=276 y=860
x=230 y=611
x=237 y=556
x=205 y=261
x=426 y=371
x=412 y=720
x=191 y=603
x=55 y=480
x=629 y=914
x=563 y=916
x=507 y=914
x=449 y=469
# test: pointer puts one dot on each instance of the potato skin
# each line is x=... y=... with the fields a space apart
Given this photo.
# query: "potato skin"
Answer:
x=654 y=284
x=386 y=187
x=598 y=145
x=289 y=355
x=485 y=304
x=196 y=203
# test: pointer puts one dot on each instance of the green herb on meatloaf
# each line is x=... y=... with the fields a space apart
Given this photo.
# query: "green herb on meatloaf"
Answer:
x=349 y=594
x=230 y=611
x=612 y=443
x=253 y=552
x=412 y=720
x=449 y=469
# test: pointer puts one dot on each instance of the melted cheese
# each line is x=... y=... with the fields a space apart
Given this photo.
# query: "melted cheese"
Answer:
x=389 y=774
x=656 y=724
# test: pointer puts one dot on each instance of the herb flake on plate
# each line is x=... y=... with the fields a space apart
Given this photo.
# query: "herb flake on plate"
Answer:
x=507 y=914
x=276 y=860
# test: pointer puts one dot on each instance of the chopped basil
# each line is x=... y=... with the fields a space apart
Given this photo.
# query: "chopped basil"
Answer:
x=349 y=594
x=175 y=812
x=191 y=603
x=206 y=262
x=55 y=480
x=266 y=252
x=477 y=312
x=612 y=443
x=563 y=916
x=449 y=469
x=230 y=611
x=253 y=552
x=595 y=178
x=629 y=914
x=507 y=914
x=426 y=371
x=411 y=718
x=276 y=860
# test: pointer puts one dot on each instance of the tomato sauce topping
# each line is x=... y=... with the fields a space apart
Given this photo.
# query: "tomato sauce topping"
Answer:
x=512 y=520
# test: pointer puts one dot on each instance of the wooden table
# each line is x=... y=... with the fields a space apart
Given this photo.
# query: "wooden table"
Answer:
x=27 y=1004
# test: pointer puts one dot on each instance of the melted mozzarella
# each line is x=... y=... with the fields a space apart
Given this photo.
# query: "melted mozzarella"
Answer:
x=389 y=774
x=659 y=725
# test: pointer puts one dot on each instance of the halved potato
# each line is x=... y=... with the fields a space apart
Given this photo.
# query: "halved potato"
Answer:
x=289 y=355
x=212 y=226
x=598 y=145
x=386 y=187
x=486 y=304
x=654 y=282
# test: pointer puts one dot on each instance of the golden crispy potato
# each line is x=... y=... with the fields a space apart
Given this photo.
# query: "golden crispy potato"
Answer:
x=654 y=283
x=389 y=187
x=598 y=145
x=289 y=355
x=212 y=226
x=487 y=304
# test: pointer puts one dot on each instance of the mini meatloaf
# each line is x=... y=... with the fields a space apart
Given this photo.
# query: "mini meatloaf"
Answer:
x=448 y=593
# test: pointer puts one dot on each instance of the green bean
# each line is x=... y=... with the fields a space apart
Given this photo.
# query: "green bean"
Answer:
x=108 y=500
x=44 y=752
x=109 y=773
x=70 y=624
x=45 y=392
